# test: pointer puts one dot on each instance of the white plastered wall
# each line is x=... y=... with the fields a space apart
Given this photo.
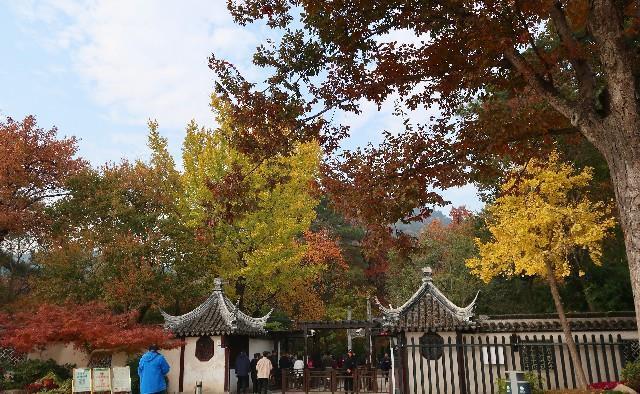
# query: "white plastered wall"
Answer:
x=63 y=353
x=173 y=359
x=210 y=373
x=259 y=345
x=479 y=373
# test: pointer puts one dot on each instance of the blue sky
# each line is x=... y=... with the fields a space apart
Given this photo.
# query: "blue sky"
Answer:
x=99 y=69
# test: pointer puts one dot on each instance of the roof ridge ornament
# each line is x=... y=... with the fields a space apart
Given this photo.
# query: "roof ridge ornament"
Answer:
x=427 y=274
x=217 y=284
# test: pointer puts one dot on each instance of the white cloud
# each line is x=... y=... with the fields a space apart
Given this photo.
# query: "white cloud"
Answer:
x=143 y=59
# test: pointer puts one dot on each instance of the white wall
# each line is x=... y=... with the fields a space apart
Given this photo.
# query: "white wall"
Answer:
x=67 y=354
x=259 y=345
x=173 y=359
x=422 y=372
x=210 y=373
x=62 y=354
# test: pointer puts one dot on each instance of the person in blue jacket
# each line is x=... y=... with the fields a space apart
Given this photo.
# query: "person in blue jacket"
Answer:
x=152 y=368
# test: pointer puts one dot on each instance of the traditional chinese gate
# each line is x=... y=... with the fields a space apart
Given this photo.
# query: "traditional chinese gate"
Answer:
x=366 y=379
x=329 y=380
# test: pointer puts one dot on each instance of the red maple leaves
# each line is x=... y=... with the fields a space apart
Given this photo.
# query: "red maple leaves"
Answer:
x=88 y=326
x=34 y=164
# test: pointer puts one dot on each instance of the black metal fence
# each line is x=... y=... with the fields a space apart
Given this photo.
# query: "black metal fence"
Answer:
x=329 y=380
x=473 y=364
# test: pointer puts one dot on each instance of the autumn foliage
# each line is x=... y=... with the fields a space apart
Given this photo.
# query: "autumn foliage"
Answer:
x=90 y=326
x=34 y=165
x=476 y=85
x=543 y=216
x=323 y=249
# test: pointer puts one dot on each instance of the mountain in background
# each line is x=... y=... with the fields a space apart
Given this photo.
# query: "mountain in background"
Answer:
x=414 y=228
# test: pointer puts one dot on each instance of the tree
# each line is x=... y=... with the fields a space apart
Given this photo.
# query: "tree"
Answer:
x=540 y=219
x=307 y=297
x=505 y=76
x=34 y=165
x=251 y=214
x=117 y=237
x=90 y=326
x=444 y=248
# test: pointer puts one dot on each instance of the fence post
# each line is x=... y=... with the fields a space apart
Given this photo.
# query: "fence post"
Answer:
x=375 y=379
x=334 y=381
x=284 y=380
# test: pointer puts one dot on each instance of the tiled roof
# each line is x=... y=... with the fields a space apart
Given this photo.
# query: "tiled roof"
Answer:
x=216 y=316
x=543 y=323
x=427 y=310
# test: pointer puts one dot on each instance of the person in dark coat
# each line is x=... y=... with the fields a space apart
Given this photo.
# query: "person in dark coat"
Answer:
x=276 y=375
x=243 y=367
x=349 y=366
x=254 y=372
x=385 y=366
x=152 y=369
x=285 y=362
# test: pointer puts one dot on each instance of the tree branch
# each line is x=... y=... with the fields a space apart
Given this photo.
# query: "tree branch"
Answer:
x=532 y=42
x=584 y=74
x=537 y=82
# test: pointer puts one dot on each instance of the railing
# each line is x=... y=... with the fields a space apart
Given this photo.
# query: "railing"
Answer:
x=329 y=380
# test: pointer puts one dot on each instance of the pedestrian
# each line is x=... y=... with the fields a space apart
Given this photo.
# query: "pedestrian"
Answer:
x=385 y=366
x=349 y=368
x=298 y=368
x=327 y=364
x=327 y=360
x=276 y=375
x=243 y=367
x=152 y=369
x=254 y=372
x=263 y=368
x=285 y=362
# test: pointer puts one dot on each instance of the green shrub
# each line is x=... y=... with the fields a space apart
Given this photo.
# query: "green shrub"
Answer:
x=631 y=375
x=530 y=377
x=28 y=371
x=133 y=362
x=502 y=386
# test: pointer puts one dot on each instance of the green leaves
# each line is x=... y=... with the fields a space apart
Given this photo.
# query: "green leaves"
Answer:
x=251 y=213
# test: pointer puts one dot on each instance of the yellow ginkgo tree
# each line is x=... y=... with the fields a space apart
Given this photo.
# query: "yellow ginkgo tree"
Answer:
x=542 y=216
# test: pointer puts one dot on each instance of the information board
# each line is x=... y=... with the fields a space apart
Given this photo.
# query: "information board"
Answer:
x=121 y=380
x=81 y=380
x=101 y=379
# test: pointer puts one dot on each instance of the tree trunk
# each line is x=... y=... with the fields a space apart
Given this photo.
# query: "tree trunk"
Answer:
x=617 y=134
x=622 y=152
x=566 y=330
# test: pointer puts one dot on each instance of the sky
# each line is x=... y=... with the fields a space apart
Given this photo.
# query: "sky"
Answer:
x=99 y=70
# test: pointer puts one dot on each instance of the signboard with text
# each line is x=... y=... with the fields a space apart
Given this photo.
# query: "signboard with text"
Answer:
x=81 y=380
x=101 y=379
x=121 y=380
